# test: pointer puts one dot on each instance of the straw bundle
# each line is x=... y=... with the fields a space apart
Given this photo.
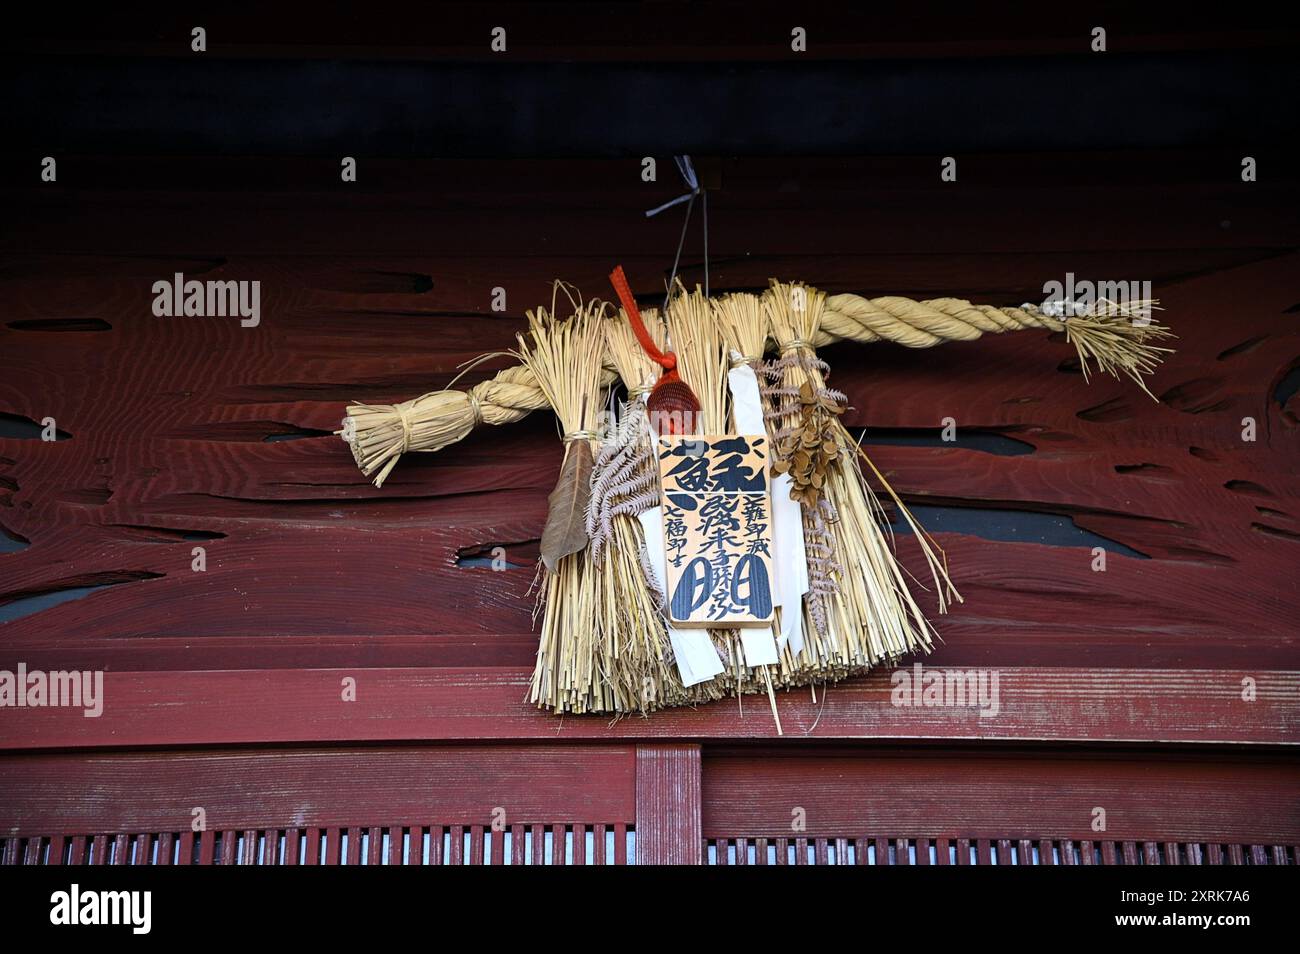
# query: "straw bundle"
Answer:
x=862 y=609
x=635 y=650
x=565 y=358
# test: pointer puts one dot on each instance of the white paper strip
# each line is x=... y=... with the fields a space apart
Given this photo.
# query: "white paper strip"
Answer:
x=790 y=562
x=697 y=658
x=746 y=404
x=759 y=646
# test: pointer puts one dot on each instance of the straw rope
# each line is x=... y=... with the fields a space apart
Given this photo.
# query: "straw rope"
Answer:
x=381 y=433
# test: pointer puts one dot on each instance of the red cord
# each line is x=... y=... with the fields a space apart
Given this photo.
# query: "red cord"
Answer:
x=668 y=361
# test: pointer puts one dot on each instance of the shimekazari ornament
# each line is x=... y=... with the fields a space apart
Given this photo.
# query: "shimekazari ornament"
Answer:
x=736 y=543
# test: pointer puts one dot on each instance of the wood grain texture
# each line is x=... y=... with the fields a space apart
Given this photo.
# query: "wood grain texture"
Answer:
x=977 y=796
x=316 y=788
x=668 y=805
x=288 y=705
x=311 y=568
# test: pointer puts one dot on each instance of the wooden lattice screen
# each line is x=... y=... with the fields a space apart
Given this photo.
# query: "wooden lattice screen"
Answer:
x=600 y=805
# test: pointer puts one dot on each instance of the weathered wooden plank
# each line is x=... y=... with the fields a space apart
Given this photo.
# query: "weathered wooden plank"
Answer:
x=414 y=704
x=319 y=788
x=668 y=804
x=1150 y=798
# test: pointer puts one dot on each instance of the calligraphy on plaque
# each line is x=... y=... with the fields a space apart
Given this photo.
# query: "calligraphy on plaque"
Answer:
x=717 y=529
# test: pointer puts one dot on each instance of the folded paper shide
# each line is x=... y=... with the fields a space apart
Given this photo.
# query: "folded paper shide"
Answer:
x=722 y=532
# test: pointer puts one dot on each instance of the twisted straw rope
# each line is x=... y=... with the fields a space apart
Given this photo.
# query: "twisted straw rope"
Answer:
x=920 y=324
x=448 y=416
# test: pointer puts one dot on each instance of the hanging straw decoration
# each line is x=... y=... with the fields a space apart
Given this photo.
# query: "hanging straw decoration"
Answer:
x=565 y=358
x=604 y=645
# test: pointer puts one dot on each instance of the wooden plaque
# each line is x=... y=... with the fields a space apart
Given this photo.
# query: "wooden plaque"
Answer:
x=717 y=529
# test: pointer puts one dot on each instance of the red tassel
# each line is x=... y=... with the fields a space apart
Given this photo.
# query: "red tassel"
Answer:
x=672 y=405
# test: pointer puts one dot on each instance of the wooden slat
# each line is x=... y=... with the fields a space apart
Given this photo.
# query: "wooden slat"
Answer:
x=620 y=844
x=475 y=845
x=668 y=804
x=55 y=855
x=207 y=846
x=963 y=851
x=99 y=850
x=318 y=788
x=558 y=855
x=1087 y=853
x=1047 y=704
x=538 y=842
x=579 y=844
x=121 y=850
x=783 y=851
x=78 y=854
x=1151 y=796
x=166 y=848
x=1108 y=853
x=436 y=840
x=497 y=849
x=1067 y=853
x=456 y=850
x=292 y=845
x=374 y=846
x=517 y=847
